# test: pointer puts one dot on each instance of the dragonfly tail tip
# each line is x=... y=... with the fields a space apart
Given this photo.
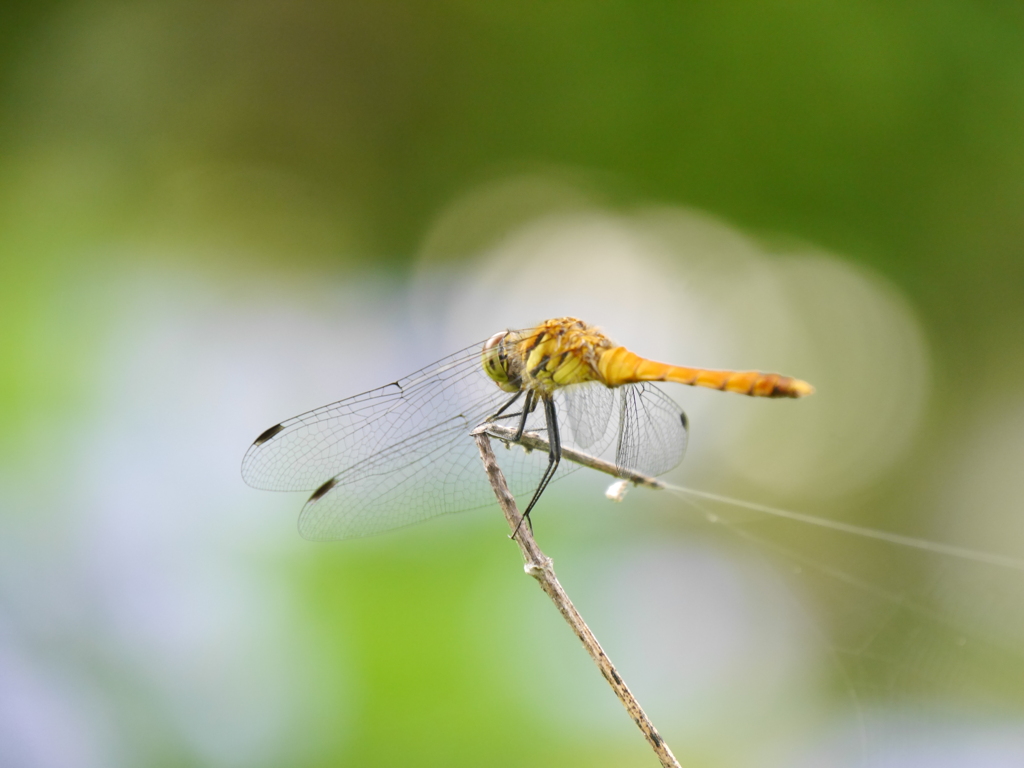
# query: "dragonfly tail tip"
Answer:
x=801 y=388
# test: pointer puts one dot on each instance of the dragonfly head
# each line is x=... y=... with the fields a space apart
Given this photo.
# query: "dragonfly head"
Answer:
x=500 y=364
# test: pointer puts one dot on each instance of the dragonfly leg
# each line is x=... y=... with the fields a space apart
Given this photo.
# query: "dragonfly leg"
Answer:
x=504 y=408
x=528 y=407
x=554 y=457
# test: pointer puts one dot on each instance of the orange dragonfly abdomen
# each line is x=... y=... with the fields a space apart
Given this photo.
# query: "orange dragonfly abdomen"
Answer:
x=618 y=366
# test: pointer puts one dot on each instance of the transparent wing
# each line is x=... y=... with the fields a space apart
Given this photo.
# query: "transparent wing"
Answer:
x=588 y=410
x=300 y=454
x=652 y=430
x=428 y=474
x=636 y=426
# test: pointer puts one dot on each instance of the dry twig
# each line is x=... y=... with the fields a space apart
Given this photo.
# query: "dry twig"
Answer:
x=540 y=567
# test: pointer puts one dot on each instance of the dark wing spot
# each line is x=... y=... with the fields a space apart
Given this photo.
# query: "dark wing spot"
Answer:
x=268 y=434
x=686 y=421
x=656 y=739
x=322 y=491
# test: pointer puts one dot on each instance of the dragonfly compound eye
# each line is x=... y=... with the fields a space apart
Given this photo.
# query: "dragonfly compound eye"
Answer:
x=498 y=365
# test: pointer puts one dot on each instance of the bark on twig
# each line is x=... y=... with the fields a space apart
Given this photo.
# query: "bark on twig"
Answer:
x=534 y=442
x=540 y=567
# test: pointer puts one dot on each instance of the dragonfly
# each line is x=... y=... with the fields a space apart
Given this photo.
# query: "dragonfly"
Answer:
x=402 y=453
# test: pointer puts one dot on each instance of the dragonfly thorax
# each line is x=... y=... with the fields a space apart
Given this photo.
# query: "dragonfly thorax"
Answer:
x=555 y=354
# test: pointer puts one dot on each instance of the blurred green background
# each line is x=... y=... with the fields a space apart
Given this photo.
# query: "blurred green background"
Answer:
x=214 y=216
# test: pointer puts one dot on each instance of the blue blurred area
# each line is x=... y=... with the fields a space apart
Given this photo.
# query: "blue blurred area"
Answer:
x=213 y=217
